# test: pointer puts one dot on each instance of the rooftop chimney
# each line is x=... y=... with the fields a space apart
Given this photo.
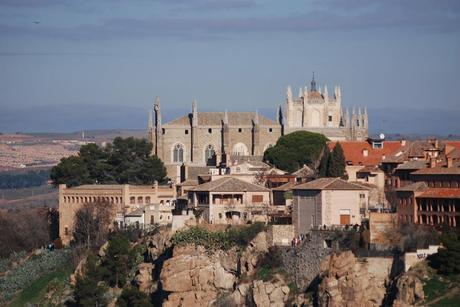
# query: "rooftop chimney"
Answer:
x=449 y=161
x=432 y=162
x=403 y=142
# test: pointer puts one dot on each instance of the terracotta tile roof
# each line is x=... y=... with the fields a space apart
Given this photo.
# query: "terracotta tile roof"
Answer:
x=365 y=184
x=417 y=186
x=455 y=144
x=216 y=118
x=304 y=171
x=286 y=187
x=329 y=184
x=229 y=184
x=97 y=187
x=189 y=182
x=353 y=151
x=441 y=193
x=411 y=165
x=370 y=169
x=439 y=170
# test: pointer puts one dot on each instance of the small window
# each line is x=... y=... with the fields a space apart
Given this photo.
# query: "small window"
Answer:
x=209 y=130
x=240 y=130
x=357 y=122
x=163 y=131
x=329 y=118
x=270 y=129
x=186 y=131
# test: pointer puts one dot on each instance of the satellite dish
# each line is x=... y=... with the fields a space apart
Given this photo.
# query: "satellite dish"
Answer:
x=382 y=136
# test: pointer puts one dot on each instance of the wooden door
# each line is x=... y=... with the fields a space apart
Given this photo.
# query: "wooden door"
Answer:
x=344 y=219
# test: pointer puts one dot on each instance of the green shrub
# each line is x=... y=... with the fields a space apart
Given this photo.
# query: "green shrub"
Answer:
x=264 y=273
x=447 y=260
x=131 y=296
x=239 y=237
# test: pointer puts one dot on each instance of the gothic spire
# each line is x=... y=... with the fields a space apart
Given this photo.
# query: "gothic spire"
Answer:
x=225 y=117
x=313 y=83
x=156 y=108
x=289 y=94
x=279 y=116
x=150 y=124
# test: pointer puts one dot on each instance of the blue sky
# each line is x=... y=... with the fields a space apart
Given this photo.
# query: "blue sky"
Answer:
x=228 y=54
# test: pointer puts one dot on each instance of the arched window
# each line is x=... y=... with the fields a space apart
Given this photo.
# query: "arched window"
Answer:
x=240 y=150
x=210 y=155
x=178 y=153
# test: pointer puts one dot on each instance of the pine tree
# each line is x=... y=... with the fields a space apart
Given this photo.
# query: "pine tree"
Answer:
x=322 y=171
x=87 y=290
x=336 y=165
x=118 y=260
x=131 y=296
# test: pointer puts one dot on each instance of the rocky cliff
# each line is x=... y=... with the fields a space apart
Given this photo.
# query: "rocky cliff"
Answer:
x=347 y=281
x=194 y=276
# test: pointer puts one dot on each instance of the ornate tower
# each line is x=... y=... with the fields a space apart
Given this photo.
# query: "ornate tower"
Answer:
x=256 y=135
x=194 y=150
x=157 y=144
x=313 y=84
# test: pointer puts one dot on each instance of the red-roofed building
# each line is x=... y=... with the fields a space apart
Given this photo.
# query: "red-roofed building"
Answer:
x=364 y=159
x=368 y=153
x=434 y=198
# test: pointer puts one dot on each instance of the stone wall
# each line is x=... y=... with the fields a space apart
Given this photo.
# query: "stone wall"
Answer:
x=381 y=225
x=303 y=262
x=280 y=235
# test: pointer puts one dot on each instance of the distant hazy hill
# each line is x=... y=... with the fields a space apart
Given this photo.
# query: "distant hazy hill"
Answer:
x=71 y=118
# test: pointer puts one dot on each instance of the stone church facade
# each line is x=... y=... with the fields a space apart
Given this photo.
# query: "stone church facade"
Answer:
x=212 y=138
x=318 y=111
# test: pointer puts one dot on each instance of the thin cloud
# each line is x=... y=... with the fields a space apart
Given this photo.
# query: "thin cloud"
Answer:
x=365 y=15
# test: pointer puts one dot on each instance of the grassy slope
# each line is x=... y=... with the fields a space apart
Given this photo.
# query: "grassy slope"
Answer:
x=441 y=290
x=36 y=292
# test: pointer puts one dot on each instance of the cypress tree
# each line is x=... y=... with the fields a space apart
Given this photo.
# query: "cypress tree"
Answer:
x=336 y=165
x=323 y=165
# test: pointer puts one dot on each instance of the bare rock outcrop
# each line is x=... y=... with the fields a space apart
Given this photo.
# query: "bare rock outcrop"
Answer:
x=409 y=290
x=253 y=253
x=269 y=294
x=349 y=282
x=158 y=243
x=195 y=277
x=260 y=294
x=143 y=278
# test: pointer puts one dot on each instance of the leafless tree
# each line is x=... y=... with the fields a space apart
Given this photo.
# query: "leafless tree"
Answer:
x=23 y=230
x=260 y=178
x=92 y=223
